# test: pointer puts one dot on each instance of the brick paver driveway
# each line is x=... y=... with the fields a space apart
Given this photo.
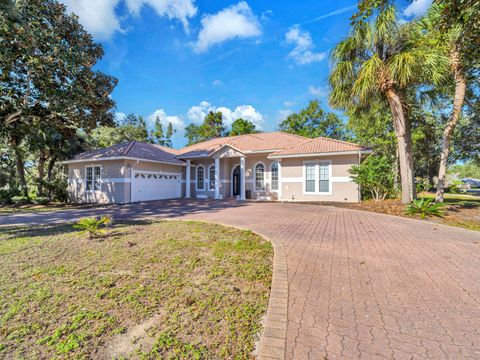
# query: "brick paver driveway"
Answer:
x=360 y=285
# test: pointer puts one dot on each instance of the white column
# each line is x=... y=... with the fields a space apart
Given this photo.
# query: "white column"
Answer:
x=279 y=179
x=217 y=178
x=242 y=178
x=187 y=180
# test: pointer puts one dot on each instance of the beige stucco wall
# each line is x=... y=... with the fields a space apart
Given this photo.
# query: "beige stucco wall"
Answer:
x=343 y=189
x=113 y=187
x=116 y=180
x=226 y=168
x=291 y=175
x=116 y=177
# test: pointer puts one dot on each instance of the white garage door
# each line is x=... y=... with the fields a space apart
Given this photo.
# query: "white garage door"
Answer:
x=155 y=185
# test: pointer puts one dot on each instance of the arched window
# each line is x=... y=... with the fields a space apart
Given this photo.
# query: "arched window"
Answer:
x=274 y=176
x=200 y=178
x=211 y=177
x=259 y=177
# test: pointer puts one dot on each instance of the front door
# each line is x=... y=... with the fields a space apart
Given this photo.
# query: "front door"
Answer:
x=236 y=181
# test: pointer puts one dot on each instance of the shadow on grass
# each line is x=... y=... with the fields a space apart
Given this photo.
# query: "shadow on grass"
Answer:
x=32 y=231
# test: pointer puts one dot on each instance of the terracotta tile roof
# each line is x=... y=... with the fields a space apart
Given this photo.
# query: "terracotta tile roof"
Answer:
x=133 y=149
x=277 y=140
x=319 y=145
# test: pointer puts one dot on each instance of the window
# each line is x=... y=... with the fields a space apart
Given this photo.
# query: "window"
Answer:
x=309 y=177
x=200 y=178
x=323 y=177
x=274 y=175
x=211 y=177
x=93 y=178
x=260 y=177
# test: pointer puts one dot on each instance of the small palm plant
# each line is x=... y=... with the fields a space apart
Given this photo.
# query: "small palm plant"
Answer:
x=92 y=225
x=424 y=207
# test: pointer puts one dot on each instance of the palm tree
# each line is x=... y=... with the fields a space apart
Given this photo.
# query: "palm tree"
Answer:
x=379 y=59
x=447 y=40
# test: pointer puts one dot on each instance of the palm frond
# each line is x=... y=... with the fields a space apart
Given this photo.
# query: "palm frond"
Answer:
x=368 y=78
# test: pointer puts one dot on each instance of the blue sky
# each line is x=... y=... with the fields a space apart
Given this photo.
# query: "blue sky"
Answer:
x=178 y=59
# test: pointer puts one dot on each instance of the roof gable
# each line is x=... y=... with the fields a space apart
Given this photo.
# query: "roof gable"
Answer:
x=132 y=149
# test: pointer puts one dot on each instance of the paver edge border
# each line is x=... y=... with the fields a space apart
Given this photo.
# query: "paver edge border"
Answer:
x=275 y=323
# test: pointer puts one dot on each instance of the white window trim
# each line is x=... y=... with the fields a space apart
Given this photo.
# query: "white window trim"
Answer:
x=208 y=187
x=278 y=176
x=317 y=177
x=264 y=177
x=196 y=178
x=93 y=166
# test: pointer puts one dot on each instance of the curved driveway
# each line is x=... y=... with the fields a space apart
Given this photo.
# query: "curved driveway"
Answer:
x=360 y=284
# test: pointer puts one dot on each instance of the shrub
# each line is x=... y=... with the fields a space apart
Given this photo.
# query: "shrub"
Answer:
x=20 y=200
x=424 y=207
x=6 y=194
x=92 y=225
x=57 y=189
x=41 y=200
x=375 y=177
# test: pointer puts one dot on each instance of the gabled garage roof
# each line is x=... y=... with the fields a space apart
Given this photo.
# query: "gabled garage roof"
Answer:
x=130 y=150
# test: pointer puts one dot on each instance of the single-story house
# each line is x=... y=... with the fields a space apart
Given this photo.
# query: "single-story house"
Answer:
x=264 y=166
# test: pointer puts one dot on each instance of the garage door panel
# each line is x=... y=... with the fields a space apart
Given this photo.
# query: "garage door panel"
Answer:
x=155 y=186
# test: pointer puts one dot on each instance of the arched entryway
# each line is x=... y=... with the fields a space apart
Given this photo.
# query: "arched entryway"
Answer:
x=236 y=181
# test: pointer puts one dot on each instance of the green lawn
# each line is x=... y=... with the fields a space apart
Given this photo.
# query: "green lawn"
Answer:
x=455 y=199
x=161 y=290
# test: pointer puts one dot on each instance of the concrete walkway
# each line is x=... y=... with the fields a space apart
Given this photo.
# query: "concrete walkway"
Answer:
x=359 y=284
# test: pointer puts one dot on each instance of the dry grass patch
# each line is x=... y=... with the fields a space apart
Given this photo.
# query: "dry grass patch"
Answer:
x=164 y=290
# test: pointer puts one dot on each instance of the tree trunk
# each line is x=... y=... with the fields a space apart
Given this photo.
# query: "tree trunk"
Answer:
x=41 y=172
x=460 y=88
x=401 y=125
x=51 y=164
x=21 y=170
x=395 y=171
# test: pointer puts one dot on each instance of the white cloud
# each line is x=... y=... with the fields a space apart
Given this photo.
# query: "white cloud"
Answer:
x=264 y=16
x=319 y=91
x=236 y=21
x=176 y=121
x=417 y=8
x=302 y=53
x=100 y=19
x=173 y=9
x=217 y=83
x=198 y=112
x=288 y=103
x=120 y=116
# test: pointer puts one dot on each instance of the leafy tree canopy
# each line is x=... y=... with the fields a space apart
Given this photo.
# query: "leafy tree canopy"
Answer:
x=132 y=128
x=211 y=128
x=159 y=137
x=242 y=127
x=48 y=82
x=312 y=121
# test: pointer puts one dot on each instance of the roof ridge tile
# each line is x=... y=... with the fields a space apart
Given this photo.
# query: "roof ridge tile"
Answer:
x=129 y=147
